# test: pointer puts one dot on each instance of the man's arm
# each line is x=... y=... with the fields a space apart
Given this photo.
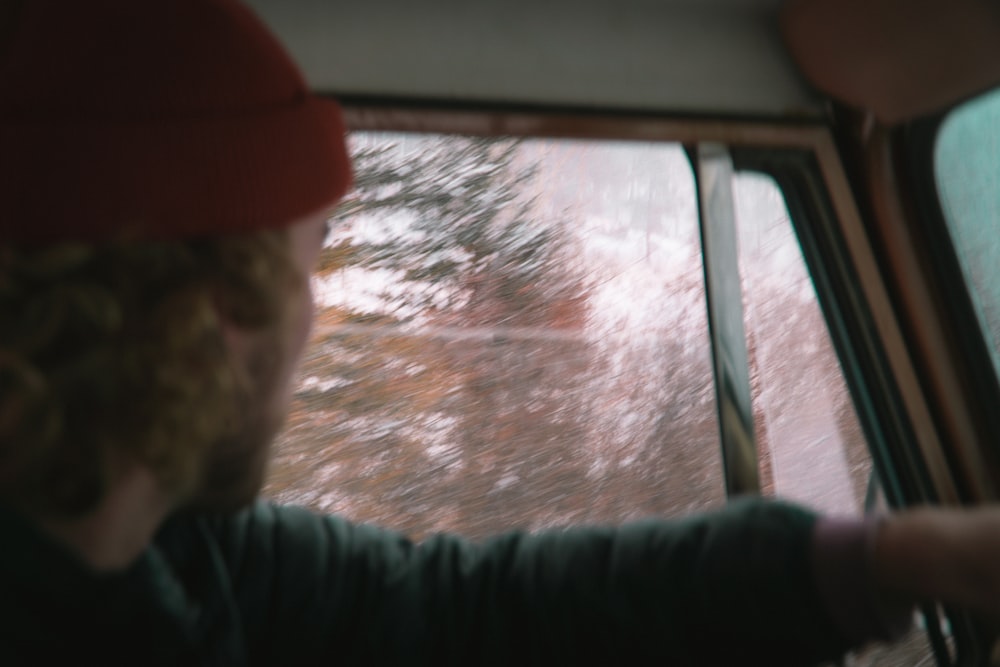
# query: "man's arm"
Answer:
x=732 y=587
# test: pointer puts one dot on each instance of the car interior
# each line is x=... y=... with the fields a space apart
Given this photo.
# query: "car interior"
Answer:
x=776 y=221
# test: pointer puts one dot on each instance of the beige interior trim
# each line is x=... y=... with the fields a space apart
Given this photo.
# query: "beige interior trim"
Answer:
x=654 y=56
x=886 y=322
x=582 y=126
x=924 y=313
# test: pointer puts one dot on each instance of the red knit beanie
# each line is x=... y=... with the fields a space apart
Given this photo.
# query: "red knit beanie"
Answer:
x=156 y=119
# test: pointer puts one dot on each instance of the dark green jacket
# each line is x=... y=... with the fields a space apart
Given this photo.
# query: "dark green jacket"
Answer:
x=281 y=586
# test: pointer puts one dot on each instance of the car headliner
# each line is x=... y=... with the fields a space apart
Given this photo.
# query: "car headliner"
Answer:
x=705 y=57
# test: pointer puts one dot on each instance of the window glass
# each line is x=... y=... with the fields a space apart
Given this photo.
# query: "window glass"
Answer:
x=511 y=334
x=809 y=440
x=967 y=170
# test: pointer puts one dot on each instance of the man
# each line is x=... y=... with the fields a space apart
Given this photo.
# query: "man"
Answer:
x=161 y=214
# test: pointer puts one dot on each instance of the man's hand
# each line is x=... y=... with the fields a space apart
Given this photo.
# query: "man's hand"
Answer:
x=950 y=556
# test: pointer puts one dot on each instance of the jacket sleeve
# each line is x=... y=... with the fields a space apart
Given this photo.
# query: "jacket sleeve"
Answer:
x=733 y=587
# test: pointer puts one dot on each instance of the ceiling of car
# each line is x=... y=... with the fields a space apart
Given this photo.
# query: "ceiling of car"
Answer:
x=706 y=57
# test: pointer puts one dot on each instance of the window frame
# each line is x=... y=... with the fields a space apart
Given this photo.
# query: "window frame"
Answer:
x=827 y=184
x=905 y=229
x=846 y=268
x=877 y=398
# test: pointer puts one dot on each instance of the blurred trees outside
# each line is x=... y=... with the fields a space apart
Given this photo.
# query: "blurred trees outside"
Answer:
x=491 y=353
x=473 y=337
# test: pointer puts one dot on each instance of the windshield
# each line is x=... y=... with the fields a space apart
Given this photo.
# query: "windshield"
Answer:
x=967 y=171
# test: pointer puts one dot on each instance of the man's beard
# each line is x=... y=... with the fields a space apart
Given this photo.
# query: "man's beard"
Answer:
x=235 y=467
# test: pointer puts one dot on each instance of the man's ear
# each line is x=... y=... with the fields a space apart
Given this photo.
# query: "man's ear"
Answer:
x=237 y=340
x=253 y=351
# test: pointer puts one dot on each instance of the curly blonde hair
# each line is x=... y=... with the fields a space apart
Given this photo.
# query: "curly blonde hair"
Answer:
x=118 y=349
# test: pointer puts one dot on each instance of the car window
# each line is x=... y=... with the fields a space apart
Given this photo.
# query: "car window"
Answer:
x=967 y=171
x=513 y=334
x=810 y=442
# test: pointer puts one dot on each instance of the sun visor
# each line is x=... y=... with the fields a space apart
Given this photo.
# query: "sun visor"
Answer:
x=898 y=59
